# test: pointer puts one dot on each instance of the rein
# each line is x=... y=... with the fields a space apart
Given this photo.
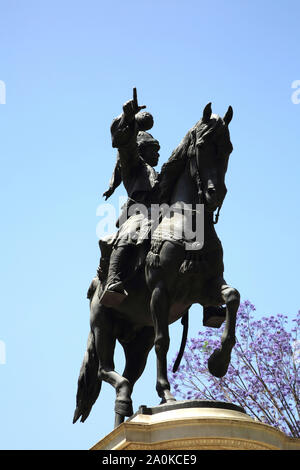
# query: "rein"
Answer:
x=217 y=215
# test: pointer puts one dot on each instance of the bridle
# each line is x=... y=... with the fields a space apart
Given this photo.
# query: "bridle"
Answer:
x=195 y=173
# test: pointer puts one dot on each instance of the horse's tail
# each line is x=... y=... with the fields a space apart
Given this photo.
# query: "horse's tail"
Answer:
x=89 y=385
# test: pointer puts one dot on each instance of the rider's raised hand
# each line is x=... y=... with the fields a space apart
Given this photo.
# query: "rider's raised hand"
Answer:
x=131 y=107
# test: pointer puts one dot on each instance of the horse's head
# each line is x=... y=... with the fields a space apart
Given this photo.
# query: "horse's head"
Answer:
x=212 y=146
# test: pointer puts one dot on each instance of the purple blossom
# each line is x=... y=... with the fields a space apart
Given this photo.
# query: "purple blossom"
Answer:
x=264 y=374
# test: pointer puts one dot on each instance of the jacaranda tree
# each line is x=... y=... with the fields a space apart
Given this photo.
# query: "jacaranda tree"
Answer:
x=264 y=374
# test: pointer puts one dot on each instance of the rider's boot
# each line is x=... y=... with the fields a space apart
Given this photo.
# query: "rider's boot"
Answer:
x=120 y=261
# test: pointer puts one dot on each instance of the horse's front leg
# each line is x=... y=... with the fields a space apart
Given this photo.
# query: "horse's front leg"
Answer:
x=220 y=359
x=160 y=312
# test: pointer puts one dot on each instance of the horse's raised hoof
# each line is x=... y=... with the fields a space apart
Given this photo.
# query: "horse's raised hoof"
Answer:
x=218 y=363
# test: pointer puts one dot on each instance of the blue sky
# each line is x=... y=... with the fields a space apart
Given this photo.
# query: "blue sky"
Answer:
x=68 y=67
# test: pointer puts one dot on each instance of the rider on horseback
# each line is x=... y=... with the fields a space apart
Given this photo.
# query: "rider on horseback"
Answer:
x=137 y=155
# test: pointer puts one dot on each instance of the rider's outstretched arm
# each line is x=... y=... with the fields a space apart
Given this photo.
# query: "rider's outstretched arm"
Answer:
x=115 y=181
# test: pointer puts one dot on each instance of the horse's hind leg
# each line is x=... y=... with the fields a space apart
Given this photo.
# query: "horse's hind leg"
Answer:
x=105 y=340
x=219 y=360
x=136 y=353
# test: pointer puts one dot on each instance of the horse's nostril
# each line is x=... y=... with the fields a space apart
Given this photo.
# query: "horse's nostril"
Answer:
x=211 y=191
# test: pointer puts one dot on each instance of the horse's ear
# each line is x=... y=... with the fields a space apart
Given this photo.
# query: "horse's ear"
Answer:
x=228 y=116
x=206 y=113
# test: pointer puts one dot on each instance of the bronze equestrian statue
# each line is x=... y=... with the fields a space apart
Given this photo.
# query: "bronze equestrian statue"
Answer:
x=149 y=274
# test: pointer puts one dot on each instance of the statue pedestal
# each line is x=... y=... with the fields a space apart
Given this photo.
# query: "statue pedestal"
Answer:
x=195 y=425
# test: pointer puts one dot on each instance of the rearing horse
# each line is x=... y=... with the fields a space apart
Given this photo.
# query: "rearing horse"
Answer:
x=177 y=278
x=171 y=280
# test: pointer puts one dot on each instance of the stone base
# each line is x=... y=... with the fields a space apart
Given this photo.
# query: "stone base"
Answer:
x=195 y=425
